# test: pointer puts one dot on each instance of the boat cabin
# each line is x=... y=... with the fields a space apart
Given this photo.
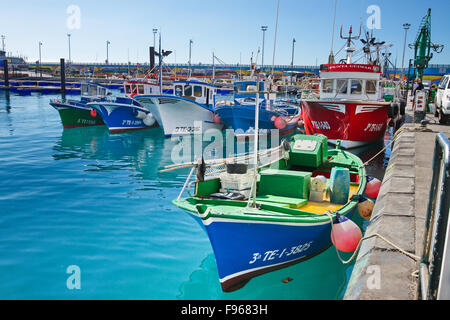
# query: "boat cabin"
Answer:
x=350 y=82
x=199 y=92
x=93 y=90
x=135 y=87
x=245 y=94
x=246 y=89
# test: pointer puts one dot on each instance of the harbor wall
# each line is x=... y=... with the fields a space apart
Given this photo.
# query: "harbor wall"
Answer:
x=382 y=272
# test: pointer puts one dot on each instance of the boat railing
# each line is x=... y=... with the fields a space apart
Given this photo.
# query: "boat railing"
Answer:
x=434 y=271
x=212 y=168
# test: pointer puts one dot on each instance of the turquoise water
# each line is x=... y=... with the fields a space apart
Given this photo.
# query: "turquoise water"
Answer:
x=86 y=198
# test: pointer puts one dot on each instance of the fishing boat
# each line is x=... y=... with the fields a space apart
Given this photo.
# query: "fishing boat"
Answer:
x=277 y=213
x=123 y=114
x=141 y=86
x=189 y=110
x=239 y=114
x=77 y=113
x=349 y=106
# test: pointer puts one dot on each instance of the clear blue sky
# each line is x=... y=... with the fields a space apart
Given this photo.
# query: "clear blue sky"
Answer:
x=229 y=28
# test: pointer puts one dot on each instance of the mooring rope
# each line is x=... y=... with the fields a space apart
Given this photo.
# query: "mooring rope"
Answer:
x=330 y=215
x=396 y=135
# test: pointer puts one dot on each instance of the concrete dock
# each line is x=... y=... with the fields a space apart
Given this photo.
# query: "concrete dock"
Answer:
x=381 y=272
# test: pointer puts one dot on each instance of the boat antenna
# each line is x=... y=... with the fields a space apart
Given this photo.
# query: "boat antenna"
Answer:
x=331 y=56
x=275 y=39
x=349 y=39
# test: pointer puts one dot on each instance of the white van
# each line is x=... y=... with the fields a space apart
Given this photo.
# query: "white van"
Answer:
x=442 y=99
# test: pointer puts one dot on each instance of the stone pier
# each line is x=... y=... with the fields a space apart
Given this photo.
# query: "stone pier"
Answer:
x=381 y=272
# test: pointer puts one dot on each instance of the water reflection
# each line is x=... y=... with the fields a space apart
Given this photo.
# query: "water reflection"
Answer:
x=142 y=151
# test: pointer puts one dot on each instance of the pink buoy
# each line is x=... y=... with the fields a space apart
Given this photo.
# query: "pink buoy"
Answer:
x=373 y=187
x=346 y=234
x=365 y=208
x=93 y=113
x=280 y=123
x=216 y=119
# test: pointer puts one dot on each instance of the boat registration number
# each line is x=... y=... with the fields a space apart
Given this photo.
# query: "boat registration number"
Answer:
x=280 y=253
x=186 y=129
x=374 y=127
x=131 y=122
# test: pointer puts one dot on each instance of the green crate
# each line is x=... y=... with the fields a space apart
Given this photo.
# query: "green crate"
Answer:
x=284 y=183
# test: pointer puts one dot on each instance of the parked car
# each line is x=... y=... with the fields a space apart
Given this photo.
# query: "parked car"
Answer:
x=442 y=100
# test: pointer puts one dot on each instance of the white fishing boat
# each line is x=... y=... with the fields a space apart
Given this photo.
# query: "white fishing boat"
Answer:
x=189 y=110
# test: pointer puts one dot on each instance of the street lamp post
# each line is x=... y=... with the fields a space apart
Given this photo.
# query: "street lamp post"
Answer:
x=263 y=29
x=40 y=60
x=107 y=51
x=154 y=37
x=70 y=59
x=190 y=49
x=292 y=60
x=3 y=42
x=406 y=27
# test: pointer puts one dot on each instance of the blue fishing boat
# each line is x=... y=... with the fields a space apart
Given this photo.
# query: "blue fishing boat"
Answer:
x=277 y=214
x=124 y=114
x=239 y=114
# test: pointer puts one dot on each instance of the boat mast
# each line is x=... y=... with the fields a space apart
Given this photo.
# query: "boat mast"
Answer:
x=255 y=140
x=255 y=145
x=213 y=69
x=160 y=66
x=331 y=56
x=275 y=39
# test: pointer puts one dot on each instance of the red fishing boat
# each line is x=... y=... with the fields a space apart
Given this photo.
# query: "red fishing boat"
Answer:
x=349 y=104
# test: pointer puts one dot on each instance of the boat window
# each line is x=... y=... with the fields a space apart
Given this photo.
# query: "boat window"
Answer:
x=197 y=91
x=356 y=87
x=371 y=86
x=141 y=89
x=102 y=91
x=342 y=86
x=128 y=89
x=92 y=91
x=178 y=90
x=84 y=89
x=327 y=85
x=188 y=91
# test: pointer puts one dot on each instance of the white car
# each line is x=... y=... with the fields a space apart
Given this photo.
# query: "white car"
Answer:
x=442 y=100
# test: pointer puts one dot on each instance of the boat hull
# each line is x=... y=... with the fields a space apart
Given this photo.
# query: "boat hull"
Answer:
x=241 y=119
x=121 y=117
x=269 y=245
x=76 y=116
x=179 y=116
x=354 y=123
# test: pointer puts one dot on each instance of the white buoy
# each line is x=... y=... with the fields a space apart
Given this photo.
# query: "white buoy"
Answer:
x=149 y=120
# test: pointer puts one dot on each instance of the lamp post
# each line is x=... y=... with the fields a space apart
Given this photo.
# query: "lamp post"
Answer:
x=263 y=29
x=40 y=61
x=406 y=27
x=70 y=59
x=190 y=49
x=154 y=37
x=107 y=51
x=292 y=60
x=3 y=42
